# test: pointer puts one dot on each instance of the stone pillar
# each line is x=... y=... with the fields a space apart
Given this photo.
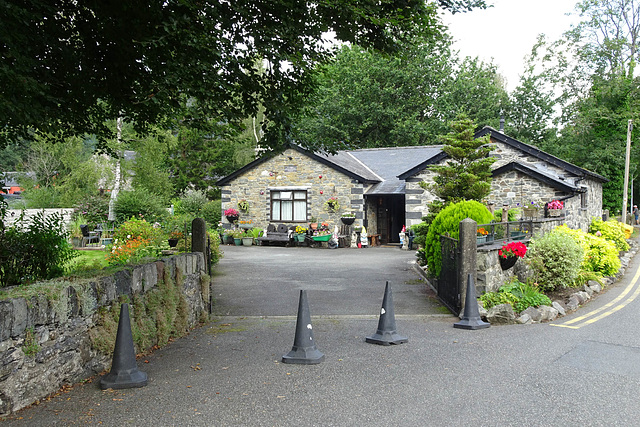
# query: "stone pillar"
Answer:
x=198 y=236
x=468 y=245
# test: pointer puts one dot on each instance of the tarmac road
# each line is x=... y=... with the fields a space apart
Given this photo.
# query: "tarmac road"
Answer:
x=229 y=372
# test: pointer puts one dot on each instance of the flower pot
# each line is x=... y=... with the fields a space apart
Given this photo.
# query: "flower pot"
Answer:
x=555 y=212
x=481 y=239
x=107 y=241
x=348 y=220
x=232 y=218
x=313 y=225
x=173 y=243
x=300 y=237
x=530 y=212
x=237 y=241
x=323 y=238
x=507 y=263
x=489 y=238
x=247 y=241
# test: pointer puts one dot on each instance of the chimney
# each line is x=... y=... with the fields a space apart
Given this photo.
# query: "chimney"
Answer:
x=501 y=121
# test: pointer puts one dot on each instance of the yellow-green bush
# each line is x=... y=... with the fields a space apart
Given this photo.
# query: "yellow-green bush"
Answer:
x=600 y=254
x=610 y=230
x=555 y=259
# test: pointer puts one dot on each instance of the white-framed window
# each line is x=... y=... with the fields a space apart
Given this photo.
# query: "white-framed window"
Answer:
x=289 y=206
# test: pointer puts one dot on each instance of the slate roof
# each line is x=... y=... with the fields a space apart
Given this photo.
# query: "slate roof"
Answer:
x=389 y=163
x=389 y=168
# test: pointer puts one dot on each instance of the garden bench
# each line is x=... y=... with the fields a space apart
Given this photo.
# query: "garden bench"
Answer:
x=281 y=234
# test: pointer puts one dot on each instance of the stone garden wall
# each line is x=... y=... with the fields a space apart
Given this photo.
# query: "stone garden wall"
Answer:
x=62 y=331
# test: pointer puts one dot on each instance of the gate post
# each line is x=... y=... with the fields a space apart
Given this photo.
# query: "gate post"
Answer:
x=468 y=246
x=199 y=236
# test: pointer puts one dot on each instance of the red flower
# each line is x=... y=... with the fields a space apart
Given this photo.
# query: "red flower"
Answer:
x=513 y=249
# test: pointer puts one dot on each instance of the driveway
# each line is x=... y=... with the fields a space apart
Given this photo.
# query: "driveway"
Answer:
x=266 y=280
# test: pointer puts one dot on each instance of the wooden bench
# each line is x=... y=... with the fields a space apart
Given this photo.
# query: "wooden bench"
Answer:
x=280 y=234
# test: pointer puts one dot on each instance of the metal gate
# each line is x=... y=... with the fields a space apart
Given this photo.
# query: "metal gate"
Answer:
x=448 y=286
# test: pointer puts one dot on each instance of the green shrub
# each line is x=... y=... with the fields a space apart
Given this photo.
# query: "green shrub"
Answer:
x=520 y=295
x=555 y=259
x=137 y=229
x=610 y=230
x=447 y=222
x=37 y=251
x=94 y=209
x=139 y=204
x=191 y=202
x=600 y=255
x=212 y=213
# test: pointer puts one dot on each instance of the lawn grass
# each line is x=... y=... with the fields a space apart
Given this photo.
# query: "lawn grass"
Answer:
x=87 y=260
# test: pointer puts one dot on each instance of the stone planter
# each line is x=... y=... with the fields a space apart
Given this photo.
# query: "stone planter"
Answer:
x=247 y=241
x=554 y=212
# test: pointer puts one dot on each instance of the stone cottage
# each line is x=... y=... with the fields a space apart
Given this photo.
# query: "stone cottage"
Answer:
x=382 y=186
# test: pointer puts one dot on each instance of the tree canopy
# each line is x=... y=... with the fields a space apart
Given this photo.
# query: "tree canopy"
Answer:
x=67 y=66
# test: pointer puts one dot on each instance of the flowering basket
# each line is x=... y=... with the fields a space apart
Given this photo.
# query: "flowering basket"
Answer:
x=555 y=205
x=512 y=250
x=332 y=205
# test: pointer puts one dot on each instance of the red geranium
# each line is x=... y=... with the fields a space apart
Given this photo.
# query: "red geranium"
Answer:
x=513 y=249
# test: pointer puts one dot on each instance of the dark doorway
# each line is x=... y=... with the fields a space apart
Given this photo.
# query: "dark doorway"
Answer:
x=390 y=212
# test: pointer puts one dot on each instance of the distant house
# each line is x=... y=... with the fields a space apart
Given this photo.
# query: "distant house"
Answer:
x=381 y=186
x=9 y=182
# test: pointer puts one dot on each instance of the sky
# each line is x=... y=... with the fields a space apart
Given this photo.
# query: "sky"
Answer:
x=508 y=31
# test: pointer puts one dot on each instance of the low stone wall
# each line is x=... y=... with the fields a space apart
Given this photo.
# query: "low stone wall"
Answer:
x=489 y=275
x=63 y=331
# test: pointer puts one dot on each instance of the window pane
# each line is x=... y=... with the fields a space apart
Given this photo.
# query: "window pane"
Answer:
x=299 y=210
x=275 y=211
x=287 y=211
x=300 y=195
x=285 y=195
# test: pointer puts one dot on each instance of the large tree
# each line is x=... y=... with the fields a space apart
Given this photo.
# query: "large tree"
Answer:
x=366 y=99
x=68 y=66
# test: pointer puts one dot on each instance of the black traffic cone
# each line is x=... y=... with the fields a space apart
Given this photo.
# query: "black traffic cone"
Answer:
x=124 y=370
x=471 y=316
x=386 y=333
x=304 y=350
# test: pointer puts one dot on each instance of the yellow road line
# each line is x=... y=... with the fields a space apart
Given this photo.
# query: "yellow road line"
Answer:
x=615 y=303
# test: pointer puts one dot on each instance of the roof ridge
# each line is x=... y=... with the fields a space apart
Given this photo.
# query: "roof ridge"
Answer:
x=364 y=165
x=394 y=148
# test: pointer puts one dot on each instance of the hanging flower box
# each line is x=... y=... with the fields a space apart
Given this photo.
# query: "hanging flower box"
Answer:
x=507 y=263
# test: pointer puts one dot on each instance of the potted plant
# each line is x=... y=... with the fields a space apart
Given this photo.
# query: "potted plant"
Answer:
x=509 y=254
x=555 y=207
x=75 y=231
x=332 y=204
x=237 y=234
x=243 y=205
x=232 y=215
x=174 y=237
x=348 y=218
x=301 y=232
x=313 y=224
x=481 y=235
x=530 y=210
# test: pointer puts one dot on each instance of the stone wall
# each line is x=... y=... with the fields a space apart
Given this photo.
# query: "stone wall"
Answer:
x=293 y=170
x=61 y=332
